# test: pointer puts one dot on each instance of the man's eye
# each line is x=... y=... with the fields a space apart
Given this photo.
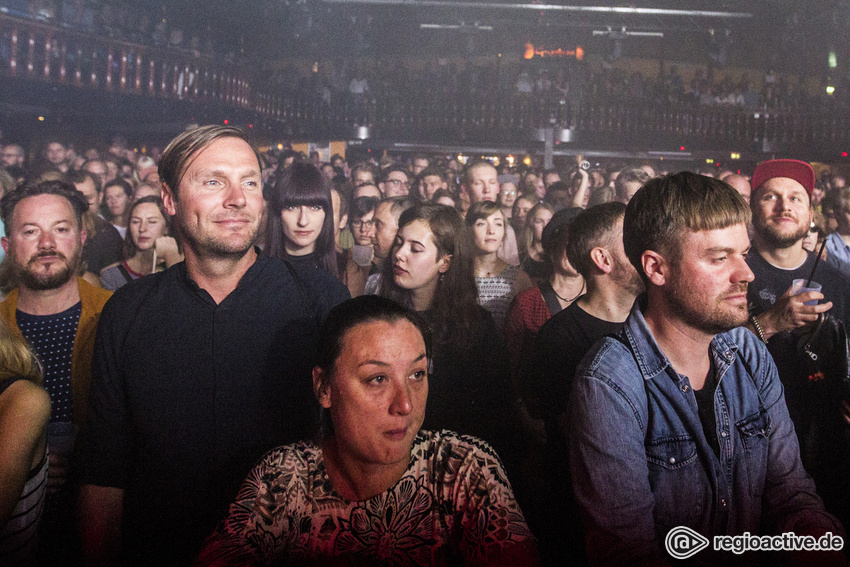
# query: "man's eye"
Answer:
x=419 y=375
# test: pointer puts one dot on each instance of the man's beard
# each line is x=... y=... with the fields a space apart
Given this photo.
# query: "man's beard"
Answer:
x=211 y=245
x=625 y=275
x=31 y=279
x=774 y=238
x=707 y=313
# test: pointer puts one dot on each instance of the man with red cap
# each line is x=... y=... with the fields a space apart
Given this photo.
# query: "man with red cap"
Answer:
x=782 y=215
x=809 y=348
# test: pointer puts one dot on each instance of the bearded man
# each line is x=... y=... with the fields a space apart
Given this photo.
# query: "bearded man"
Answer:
x=679 y=431
x=57 y=313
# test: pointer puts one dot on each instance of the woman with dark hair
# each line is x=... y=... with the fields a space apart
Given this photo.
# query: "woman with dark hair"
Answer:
x=430 y=270
x=376 y=489
x=300 y=226
x=117 y=195
x=24 y=413
x=148 y=224
x=497 y=281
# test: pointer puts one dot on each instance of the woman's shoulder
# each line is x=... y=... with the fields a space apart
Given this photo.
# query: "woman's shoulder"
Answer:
x=452 y=455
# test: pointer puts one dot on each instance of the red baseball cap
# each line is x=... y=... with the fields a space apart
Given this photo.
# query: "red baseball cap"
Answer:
x=799 y=171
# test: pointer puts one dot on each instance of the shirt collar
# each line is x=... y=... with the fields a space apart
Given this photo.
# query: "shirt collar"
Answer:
x=651 y=359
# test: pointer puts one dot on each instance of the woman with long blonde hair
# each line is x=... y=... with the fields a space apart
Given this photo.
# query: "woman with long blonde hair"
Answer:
x=24 y=413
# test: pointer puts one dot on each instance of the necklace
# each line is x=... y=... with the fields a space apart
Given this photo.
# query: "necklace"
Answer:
x=566 y=300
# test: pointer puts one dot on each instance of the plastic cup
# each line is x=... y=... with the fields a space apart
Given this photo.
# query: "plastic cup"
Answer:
x=800 y=287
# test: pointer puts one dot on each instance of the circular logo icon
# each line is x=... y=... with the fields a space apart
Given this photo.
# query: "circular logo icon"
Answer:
x=682 y=542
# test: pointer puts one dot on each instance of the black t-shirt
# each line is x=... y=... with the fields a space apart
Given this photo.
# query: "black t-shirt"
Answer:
x=561 y=344
x=469 y=389
x=771 y=282
x=103 y=248
x=705 y=408
x=187 y=395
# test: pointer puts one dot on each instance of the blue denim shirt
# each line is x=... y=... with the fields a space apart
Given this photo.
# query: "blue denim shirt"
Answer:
x=641 y=463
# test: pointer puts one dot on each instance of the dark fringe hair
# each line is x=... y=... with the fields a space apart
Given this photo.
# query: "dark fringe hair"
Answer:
x=301 y=184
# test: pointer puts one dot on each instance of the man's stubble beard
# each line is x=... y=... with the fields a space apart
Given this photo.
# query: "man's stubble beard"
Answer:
x=37 y=282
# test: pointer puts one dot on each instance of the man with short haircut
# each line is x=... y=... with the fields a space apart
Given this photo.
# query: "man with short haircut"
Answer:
x=559 y=195
x=55 y=157
x=480 y=182
x=57 y=313
x=12 y=156
x=550 y=176
x=595 y=250
x=364 y=173
x=628 y=182
x=394 y=182
x=740 y=184
x=429 y=181
x=679 y=421
x=200 y=369
x=420 y=163
x=104 y=245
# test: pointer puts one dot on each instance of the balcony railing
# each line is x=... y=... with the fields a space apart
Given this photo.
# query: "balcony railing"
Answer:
x=36 y=51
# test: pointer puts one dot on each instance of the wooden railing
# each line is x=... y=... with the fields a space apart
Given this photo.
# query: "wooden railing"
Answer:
x=36 y=51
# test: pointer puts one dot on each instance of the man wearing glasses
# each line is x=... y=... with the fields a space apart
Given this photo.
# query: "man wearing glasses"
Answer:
x=394 y=182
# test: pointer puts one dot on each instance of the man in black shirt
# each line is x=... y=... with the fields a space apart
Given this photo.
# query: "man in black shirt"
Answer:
x=199 y=370
x=595 y=250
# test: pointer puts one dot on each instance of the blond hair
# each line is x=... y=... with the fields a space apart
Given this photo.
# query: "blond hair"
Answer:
x=16 y=358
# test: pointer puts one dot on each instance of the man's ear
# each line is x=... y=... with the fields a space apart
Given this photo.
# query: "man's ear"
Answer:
x=168 y=200
x=322 y=387
x=83 y=236
x=445 y=263
x=655 y=267
x=4 y=241
x=602 y=259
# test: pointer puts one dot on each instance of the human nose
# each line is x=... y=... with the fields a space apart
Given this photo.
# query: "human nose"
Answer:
x=401 y=403
x=46 y=240
x=302 y=216
x=743 y=272
x=235 y=197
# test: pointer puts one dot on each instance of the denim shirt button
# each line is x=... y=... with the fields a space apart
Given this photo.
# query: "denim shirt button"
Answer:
x=723 y=434
x=672 y=460
x=723 y=502
x=685 y=388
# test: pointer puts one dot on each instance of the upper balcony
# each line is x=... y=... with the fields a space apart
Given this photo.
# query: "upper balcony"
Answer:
x=76 y=73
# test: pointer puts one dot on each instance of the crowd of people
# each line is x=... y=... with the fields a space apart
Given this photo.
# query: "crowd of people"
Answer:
x=258 y=357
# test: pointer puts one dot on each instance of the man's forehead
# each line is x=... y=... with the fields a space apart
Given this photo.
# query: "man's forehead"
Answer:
x=35 y=209
x=786 y=183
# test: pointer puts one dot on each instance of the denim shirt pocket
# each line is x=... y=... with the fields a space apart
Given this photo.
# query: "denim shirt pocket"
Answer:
x=676 y=478
x=755 y=437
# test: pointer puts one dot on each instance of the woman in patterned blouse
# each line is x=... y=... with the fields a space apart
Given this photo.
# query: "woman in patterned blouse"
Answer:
x=376 y=490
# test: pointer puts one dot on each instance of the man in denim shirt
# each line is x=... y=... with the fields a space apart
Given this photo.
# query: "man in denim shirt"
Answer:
x=681 y=419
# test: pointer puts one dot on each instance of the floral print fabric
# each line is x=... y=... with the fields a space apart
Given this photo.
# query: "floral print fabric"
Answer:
x=453 y=505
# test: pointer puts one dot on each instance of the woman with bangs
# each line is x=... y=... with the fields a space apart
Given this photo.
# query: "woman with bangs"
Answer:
x=497 y=281
x=300 y=225
x=431 y=271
